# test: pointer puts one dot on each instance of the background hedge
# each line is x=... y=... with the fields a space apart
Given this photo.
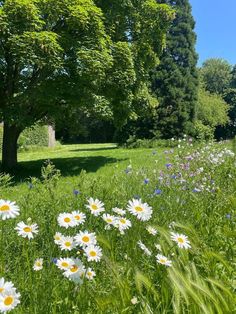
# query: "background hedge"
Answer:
x=36 y=135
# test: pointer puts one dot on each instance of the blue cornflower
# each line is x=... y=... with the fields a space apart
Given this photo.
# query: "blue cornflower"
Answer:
x=228 y=216
x=146 y=181
x=157 y=192
x=76 y=192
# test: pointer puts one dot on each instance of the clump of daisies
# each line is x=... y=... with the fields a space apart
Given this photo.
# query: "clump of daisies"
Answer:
x=74 y=269
x=73 y=219
x=27 y=230
x=181 y=240
x=8 y=210
x=9 y=297
x=88 y=242
x=141 y=210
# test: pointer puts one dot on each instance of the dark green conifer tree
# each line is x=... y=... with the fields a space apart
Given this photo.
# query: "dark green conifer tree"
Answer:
x=175 y=81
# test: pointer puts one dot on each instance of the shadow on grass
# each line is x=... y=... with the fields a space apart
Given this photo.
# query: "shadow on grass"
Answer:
x=68 y=166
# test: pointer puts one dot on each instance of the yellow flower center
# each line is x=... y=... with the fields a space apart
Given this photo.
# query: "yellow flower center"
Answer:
x=68 y=244
x=67 y=219
x=4 y=208
x=162 y=261
x=38 y=264
x=94 y=207
x=27 y=229
x=93 y=253
x=74 y=268
x=138 y=209
x=77 y=217
x=85 y=239
x=64 y=264
x=57 y=237
x=180 y=240
x=109 y=220
x=123 y=221
x=89 y=273
x=8 y=300
x=1 y=290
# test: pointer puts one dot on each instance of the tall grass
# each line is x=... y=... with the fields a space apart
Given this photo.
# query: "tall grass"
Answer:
x=194 y=194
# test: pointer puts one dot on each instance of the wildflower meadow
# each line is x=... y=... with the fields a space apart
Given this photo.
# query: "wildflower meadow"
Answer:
x=151 y=233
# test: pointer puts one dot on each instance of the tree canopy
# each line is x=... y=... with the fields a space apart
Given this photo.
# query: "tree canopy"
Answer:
x=59 y=58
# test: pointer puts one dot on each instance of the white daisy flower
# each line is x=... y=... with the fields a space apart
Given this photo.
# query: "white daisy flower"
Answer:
x=122 y=224
x=109 y=219
x=64 y=263
x=66 y=220
x=9 y=300
x=119 y=211
x=84 y=238
x=57 y=237
x=26 y=231
x=67 y=243
x=93 y=253
x=144 y=248
x=90 y=274
x=151 y=230
x=161 y=259
x=181 y=240
x=5 y=285
x=75 y=271
x=8 y=210
x=38 y=264
x=95 y=206
x=79 y=217
x=141 y=210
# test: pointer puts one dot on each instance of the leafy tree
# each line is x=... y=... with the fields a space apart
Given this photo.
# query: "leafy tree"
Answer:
x=216 y=75
x=211 y=111
x=175 y=80
x=57 y=56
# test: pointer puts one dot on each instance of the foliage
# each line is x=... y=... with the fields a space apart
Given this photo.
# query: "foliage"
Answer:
x=197 y=198
x=216 y=75
x=56 y=57
x=175 y=80
x=211 y=111
x=35 y=135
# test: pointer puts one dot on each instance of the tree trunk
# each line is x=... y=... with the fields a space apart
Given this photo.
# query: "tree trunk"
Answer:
x=9 y=146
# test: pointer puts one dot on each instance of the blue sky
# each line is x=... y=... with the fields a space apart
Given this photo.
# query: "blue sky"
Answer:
x=216 y=29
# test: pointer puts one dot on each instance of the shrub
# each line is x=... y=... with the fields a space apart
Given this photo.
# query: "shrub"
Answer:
x=34 y=135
